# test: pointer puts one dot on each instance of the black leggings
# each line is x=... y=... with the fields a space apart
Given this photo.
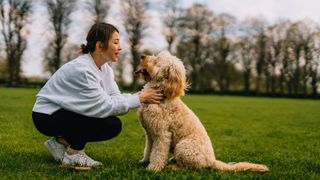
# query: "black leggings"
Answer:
x=75 y=128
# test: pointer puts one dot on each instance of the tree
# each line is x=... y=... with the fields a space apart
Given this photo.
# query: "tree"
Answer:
x=307 y=56
x=308 y=41
x=194 y=47
x=280 y=55
x=99 y=9
x=246 y=51
x=119 y=69
x=246 y=58
x=171 y=21
x=272 y=57
x=314 y=71
x=222 y=50
x=275 y=54
x=261 y=50
x=295 y=38
x=59 y=12
x=13 y=17
x=315 y=63
x=135 y=23
x=2 y=70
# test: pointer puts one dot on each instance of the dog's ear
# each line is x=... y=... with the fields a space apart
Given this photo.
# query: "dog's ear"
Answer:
x=175 y=84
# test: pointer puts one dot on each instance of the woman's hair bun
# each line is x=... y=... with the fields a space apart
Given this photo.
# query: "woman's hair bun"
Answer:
x=84 y=49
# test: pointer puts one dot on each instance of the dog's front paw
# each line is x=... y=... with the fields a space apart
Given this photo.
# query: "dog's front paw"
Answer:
x=144 y=162
x=153 y=167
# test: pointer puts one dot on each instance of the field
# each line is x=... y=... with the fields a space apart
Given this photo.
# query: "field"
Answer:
x=284 y=134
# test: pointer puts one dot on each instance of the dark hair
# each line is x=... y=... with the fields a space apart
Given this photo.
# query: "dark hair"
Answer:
x=98 y=32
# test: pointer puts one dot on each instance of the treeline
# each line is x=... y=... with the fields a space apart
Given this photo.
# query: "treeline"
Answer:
x=251 y=56
x=221 y=54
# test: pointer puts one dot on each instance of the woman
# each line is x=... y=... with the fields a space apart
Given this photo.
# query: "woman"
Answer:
x=80 y=102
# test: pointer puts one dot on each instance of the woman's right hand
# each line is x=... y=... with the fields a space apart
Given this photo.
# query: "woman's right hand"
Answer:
x=151 y=96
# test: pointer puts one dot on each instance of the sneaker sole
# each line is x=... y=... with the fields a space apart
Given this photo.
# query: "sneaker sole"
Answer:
x=77 y=168
x=71 y=165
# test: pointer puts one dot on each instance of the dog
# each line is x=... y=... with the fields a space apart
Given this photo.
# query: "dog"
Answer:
x=172 y=127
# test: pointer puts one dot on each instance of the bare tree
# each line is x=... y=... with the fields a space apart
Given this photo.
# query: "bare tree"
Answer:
x=308 y=48
x=2 y=70
x=195 y=29
x=135 y=23
x=247 y=52
x=59 y=12
x=284 y=69
x=222 y=50
x=272 y=59
x=279 y=56
x=315 y=62
x=99 y=9
x=119 y=69
x=308 y=40
x=275 y=53
x=259 y=25
x=261 y=49
x=171 y=21
x=314 y=72
x=247 y=57
x=295 y=38
x=256 y=27
x=13 y=17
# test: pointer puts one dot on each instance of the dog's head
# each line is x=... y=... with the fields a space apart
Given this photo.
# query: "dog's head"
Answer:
x=167 y=70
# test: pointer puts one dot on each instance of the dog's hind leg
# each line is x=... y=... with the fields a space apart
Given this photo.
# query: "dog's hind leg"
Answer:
x=189 y=153
x=159 y=152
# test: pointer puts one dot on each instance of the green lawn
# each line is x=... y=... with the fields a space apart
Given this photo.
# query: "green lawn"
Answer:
x=282 y=133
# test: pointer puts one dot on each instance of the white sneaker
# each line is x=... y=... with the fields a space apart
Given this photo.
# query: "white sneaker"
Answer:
x=80 y=158
x=55 y=148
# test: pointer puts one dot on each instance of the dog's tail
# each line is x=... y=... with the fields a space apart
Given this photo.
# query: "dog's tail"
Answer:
x=241 y=166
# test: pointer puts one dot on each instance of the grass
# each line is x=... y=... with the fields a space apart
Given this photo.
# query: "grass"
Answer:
x=282 y=133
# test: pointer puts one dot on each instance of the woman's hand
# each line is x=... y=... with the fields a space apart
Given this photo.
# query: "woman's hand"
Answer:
x=151 y=96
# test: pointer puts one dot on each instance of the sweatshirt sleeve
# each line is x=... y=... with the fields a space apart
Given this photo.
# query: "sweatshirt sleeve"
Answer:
x=92 y=100
x=133 y=99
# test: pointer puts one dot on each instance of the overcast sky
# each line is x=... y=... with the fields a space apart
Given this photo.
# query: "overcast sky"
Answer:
x=272 y=10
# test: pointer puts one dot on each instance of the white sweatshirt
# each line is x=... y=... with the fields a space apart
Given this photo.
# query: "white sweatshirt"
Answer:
x=79 y=86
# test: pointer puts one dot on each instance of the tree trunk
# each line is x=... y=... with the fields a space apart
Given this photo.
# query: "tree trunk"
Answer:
x=246 y=81
x=314 y=82
x=136 y=60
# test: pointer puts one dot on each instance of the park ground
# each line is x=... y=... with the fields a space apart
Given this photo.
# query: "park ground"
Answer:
x=284 y=134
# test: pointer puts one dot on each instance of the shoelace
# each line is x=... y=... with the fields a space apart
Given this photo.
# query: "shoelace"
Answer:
x=85 y=156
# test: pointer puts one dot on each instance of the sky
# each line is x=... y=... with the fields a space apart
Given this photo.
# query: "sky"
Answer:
x=272 y=10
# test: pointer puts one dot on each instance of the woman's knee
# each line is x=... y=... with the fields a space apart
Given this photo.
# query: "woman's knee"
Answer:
x=114 y=126
x=118 y=125
x=42 y=123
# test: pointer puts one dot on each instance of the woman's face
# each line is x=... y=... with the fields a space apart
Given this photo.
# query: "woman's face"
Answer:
x=113 y=50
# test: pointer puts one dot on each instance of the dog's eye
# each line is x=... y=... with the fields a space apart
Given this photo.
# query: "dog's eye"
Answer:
x=145 y=72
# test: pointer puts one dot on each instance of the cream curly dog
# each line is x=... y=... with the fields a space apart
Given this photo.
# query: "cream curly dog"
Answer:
x=172 y=127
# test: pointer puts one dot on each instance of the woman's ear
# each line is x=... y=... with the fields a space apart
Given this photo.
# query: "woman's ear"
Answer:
x=99 y=45
x=175 y=84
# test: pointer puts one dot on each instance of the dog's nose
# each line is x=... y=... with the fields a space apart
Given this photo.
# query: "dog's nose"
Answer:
x=143 y=56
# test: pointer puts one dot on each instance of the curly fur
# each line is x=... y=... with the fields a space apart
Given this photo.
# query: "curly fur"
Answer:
x=172 y=127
